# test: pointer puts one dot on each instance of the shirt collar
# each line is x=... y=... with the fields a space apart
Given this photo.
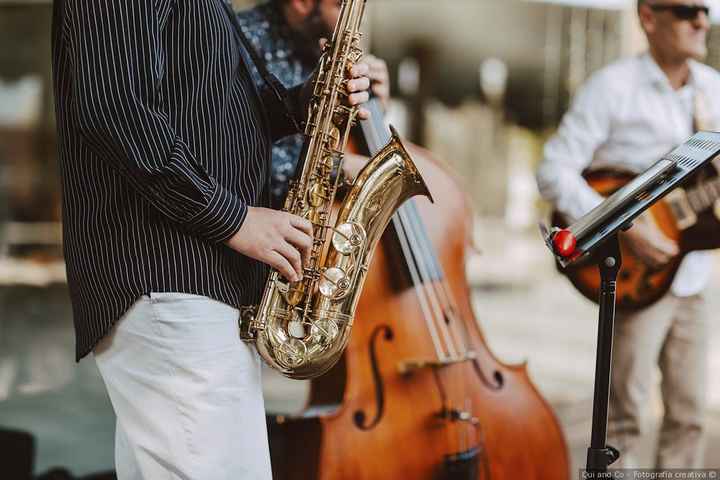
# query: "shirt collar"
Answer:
x=657 y=77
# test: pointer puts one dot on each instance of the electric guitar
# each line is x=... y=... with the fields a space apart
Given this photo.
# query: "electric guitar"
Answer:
x=689 y=216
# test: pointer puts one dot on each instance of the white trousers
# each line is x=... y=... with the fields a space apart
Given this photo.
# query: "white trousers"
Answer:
x=671 y=335
x=186 y=391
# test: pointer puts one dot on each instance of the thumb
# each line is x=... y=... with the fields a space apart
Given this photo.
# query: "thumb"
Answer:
x=667 y=246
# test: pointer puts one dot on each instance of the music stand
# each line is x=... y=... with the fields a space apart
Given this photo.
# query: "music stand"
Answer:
x=597 y=233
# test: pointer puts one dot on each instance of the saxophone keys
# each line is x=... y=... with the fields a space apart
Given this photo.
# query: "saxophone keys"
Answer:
x=316 y=217
x=317 y=195
x=348 y=237
x=294 y=293
x=334 y=136
x=324 y=332
x=292 y=353
x=296 y=329
x=333 y=283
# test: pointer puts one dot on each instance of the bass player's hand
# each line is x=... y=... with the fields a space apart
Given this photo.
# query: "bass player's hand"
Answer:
x=352 y=164
x=358 y=87
x=649 y=244
x=379 y=78
x=279 y=239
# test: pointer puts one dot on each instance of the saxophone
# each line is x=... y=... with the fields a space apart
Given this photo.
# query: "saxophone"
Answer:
x=302 y=328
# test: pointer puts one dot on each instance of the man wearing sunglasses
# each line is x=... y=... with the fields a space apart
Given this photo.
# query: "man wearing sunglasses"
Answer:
x=626 y=117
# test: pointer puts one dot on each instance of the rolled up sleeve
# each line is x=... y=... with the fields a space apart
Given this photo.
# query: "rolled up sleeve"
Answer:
x=584 y=128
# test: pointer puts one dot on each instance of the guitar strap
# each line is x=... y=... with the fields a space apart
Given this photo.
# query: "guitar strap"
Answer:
x=702 y=118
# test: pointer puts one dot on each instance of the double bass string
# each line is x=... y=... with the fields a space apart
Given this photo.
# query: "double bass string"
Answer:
x=445 y=291
x=437 y=277
x=427 y=275
x=425 y=283
x=417 y=251
x=424 y=268
x=425 y=288
x=376 y=135
x=413 y=256
x=424 y=306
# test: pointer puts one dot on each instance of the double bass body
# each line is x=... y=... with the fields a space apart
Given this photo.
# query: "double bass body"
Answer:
x=390 y=409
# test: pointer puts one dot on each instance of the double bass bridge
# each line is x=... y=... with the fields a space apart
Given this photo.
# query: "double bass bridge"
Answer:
x=408 y=367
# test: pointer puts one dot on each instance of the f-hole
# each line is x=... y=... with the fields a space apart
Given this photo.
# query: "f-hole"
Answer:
x=359 y=418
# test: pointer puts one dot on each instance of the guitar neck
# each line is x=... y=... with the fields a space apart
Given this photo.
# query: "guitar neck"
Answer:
x=704 y=195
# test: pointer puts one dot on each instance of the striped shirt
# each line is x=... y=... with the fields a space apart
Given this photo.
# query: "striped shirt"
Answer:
x=164 y=142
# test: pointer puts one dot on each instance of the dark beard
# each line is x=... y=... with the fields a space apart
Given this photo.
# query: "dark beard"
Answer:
x=306 y=38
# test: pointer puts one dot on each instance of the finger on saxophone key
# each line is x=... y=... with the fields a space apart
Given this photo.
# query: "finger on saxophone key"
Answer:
x=281 y=264
x=275 y=238
x=293 y=257
x=300 y=235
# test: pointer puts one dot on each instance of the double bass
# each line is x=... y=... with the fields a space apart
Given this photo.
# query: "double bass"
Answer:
x=418 y=394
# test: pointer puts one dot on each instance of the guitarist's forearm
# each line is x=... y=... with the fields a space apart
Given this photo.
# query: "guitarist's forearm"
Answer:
x=566 y=190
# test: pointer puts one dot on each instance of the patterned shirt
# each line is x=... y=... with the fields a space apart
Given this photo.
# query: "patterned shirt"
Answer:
x=270 y=35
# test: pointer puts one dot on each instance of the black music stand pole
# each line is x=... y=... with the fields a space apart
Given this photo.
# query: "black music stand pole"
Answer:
x=596 y=233
x=599 y=454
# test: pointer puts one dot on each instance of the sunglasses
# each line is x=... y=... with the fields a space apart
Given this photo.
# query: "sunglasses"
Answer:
x=683 y=12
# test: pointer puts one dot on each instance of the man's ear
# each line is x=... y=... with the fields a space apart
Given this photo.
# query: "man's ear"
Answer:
x=303 y=7
x=648 y=22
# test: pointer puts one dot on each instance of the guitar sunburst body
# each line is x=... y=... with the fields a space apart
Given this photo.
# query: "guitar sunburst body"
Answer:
x=638 y=285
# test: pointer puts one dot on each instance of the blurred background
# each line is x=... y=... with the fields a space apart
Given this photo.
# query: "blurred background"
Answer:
x=481 y=83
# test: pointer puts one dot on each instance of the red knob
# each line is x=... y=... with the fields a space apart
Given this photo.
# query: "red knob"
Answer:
x=564 y=242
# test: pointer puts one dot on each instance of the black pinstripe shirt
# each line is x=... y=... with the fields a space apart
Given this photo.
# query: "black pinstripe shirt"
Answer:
x=164 y=142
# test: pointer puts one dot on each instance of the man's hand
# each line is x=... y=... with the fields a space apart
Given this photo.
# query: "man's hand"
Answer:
x=380 y=85
x=379 y=78
x=650 y=245
x=352 y=164
x=279 y=239
x=358 y=85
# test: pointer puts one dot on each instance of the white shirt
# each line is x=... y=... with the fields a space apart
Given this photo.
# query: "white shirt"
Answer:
x=627 y=116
